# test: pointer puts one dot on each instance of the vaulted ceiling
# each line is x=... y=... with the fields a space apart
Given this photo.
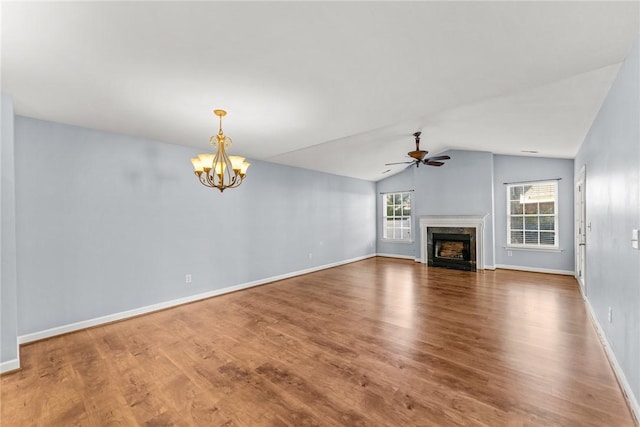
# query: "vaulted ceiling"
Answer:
x=332 y=86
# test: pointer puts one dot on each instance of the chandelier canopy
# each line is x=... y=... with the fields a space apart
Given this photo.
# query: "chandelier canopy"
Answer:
x=220 y=170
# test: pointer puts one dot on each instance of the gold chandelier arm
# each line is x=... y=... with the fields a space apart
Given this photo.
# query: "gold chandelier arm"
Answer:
x=202 y=177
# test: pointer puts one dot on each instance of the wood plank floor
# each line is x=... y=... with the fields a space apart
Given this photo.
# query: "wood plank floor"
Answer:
x=379 y=342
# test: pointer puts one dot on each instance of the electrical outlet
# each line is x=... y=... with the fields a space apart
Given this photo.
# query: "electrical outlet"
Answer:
x=187 y=278
x=310 y=255
x=610 y=315
x=509 y=253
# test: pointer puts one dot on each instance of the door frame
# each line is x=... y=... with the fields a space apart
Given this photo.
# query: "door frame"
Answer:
x=580 y=228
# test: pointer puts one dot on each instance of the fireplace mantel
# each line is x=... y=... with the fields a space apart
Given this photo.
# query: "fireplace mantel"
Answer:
x=476 y=221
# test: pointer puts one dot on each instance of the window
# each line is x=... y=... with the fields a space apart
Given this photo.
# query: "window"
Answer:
x=396 y=217
x=532 y=214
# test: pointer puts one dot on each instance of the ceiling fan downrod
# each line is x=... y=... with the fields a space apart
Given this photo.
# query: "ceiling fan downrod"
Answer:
x=418 y=154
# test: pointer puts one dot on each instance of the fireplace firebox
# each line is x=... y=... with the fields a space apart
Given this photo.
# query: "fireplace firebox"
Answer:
x=452 y=251
x=452 y=247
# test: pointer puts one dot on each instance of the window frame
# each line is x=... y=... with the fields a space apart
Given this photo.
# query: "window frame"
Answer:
x=385 y=217
x=555 y=215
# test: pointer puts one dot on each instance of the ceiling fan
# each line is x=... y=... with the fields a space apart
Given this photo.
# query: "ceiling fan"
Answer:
x=418 y=156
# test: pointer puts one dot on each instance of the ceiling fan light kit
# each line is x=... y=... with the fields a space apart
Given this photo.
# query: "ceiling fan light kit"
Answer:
x=419 y=155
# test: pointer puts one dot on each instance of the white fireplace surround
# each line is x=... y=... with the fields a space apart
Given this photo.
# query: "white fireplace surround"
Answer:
x=461 y=221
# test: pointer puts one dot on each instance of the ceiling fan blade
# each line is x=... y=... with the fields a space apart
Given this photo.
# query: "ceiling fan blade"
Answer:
x=437 y=158
x=398 y=163
x=432 y=163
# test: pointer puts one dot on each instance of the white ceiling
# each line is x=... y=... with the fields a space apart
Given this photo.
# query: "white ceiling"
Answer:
x=332 y=86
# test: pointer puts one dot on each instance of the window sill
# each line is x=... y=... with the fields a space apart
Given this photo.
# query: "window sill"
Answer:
x=532 y=248
x=406 y=242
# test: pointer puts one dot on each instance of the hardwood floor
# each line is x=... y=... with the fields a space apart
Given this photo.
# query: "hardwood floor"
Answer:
x=379 y=342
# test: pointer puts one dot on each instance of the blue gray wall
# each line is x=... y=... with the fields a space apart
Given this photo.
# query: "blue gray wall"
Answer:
x=611 y=154
x=8 y=289
x=518 y=169
x=463 y=186
x=108 y=223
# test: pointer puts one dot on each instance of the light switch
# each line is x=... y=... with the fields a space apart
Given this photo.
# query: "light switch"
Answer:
x=634 y=244
x=634 y=234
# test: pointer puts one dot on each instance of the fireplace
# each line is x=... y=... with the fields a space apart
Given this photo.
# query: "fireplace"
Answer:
x=452 y=241
x=452 y=250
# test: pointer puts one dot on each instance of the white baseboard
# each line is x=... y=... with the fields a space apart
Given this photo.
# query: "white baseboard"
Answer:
x=489 y=267
x=9 y=365
x=71 y=327
x=613 y=361
x=535 y=269
x=411 y=257
x=13 y=364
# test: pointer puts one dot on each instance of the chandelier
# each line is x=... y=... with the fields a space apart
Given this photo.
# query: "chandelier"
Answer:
x=220 y=170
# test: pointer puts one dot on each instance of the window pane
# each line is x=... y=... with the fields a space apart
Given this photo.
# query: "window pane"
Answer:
x=406 y=204
x=517 y=223
x=389 y=210
x=542 y=192
x=546 y=222
x=388 y=231
x=516 y=208
x=546 y=208
x=391 y=226
x=405 y=222
x=531 y=237
x=547 y=238
x=531 y=223
x=516 y=237
x=515 y=193
x=397 y=199
x=389 y=199
x=531 y=208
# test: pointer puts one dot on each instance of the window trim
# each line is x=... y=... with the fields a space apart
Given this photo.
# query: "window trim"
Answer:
x=534 y=247
x=384 y=216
